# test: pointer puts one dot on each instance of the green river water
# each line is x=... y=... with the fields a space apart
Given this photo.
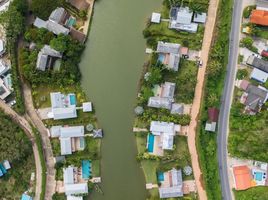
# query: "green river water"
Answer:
x=111 y=67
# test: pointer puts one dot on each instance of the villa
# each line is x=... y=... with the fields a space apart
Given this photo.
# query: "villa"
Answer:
x=62 y=106
x=46 y=58
x=4 y=91
x=71 y=138
x=164 y=96
x=72 y=186
x=161 y=137
x=181 y=19
x=258 y=63
x=4 y=67
x=169 y=55
x=259 y=75
x=171 y=184
x=254 y=97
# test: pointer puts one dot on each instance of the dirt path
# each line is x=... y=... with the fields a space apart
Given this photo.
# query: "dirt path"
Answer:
x=212 y=12
x=23 y=123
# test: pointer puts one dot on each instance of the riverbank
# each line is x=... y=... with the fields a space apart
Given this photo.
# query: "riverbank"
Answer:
x=153 y=159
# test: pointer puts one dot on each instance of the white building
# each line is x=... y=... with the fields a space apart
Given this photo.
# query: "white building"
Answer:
x=259 y=75
x=156 y=18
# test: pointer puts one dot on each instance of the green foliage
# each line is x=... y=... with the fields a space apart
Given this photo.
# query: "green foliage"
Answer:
x=218 y=60
x=241 y=74
x=17 y=148
x=255 y=193
x=248 y=43
x=58 y=196
x=155 y=76
x=38 y=35
x=247 y=11
x=43 y=8
x=146 y=93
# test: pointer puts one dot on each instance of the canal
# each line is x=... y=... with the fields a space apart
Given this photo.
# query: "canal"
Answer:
x=111 y=67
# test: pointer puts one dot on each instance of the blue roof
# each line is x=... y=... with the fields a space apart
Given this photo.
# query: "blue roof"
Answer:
x=26 y=197
x=3 y=169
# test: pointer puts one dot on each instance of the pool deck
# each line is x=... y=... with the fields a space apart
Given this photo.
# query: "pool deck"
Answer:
x=157 y=150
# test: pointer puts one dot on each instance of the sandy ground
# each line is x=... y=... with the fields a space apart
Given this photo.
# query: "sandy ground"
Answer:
x=212 y=11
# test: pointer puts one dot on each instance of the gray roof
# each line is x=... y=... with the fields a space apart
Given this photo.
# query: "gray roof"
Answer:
x=173 y=63
x=55 y=131
x=64 y=113
x=167 y=141
x=200 y=18
x=168 y=90
x=211 y=126
x=44 y=55
x=68 y=175
x=258 y=63
x=4 y=92
x=177 y=108
x=184 y=15
x=192 y=27
x=175 y=189
x=72 y=131
x=157 y=127
x=259 y=75
x=58 y=15
x=65 y=146
x=39 y=23
x=79 y=188
x=262 y=4
x=256 y=97
x=57 y=28
x=4 y=67
x=159 y=102
x=59 y=159
x=165 y=47
x=56 y=99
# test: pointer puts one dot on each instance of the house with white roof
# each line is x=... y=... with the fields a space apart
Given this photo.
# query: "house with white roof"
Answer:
x=200 y=18
x=2 y=47
x=181 y=19
x=4 y=91
x=62 y=106
x=46 y=58
x=71 y=138
x=4 y=67
x=166 y=132
x=259 y=75
x=172 y=185
x=71 y=187
x=169 y=54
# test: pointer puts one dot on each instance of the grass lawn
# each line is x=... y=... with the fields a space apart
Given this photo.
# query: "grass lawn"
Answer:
x=55 y=143
x=96 y=168
x=256 y=193
x=141 y=139
x=150 y=168
x=162 y=32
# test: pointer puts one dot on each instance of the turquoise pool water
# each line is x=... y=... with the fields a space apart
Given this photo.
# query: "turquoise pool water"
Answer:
x=160 y=176
x=71 y=22
x=150 y=140
x=86 y=169
x=258 y=176
x=82 y=143
x=161 y=58
x=72 y=99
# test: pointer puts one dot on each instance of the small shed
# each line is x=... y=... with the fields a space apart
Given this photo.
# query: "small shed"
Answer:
x=156 y=18
x=6 y=164
x=200 y=18
x=211 y=127
x=177 y=108
x=213 y=114
x=87 y=107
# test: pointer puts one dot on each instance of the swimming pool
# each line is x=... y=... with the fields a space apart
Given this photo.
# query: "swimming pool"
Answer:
x=72 y=99
x=71 y=22
x=86 y=169
x=258 y=176
x=160 y=176
x=150 y=143
x=161 y=58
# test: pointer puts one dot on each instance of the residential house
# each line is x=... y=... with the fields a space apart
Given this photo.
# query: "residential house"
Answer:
x=172 y=185
x=63 y=106
x=4 y=67
x=77 y=35
x=2 y=47
x=258 y=63
x=200 y=18
x=254 y=97
x=156 y=18
x=169 y=54
x=259 y=75
x=4 y=91
x=166 y=132
x=177 y=108
x=8 y=82
x=59 y=16
x=71 y=138
x=164 y=98
x=181 y=19
x=262 y=5
x=213 y=115
x=242 y=177
x=71 y=185
x=259 y=17
x=79 y=4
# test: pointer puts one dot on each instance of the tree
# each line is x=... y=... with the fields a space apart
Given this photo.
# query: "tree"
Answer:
x=43 y=8
x=241 y=74
x=60 y=43
x=155 y=76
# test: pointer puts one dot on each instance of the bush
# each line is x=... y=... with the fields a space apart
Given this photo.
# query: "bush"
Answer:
x=247 y=11
x=241 y=74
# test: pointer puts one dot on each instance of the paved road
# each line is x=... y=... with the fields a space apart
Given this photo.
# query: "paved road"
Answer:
x=24 y=124
x=208 y=35
x=227 y=100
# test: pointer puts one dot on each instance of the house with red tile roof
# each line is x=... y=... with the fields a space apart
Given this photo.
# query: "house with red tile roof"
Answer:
x=259 y=17
x=242 y=177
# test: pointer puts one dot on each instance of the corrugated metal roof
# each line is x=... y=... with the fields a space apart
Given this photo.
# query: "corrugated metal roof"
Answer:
x=68 y=175
x=65 y=146
x=80 y=188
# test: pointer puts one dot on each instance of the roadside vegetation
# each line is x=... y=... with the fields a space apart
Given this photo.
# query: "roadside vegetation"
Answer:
x=207 y=145
x=17 y=149
x=13 y=21
x=255 y=193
